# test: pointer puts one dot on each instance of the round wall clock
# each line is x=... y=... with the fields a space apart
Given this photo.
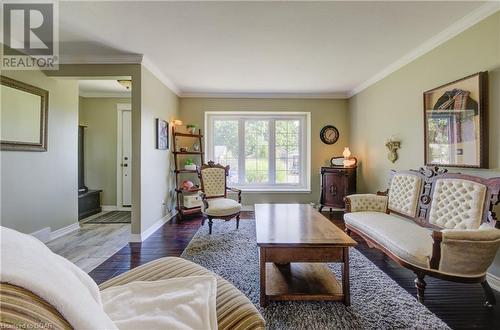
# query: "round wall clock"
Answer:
x=329 y=134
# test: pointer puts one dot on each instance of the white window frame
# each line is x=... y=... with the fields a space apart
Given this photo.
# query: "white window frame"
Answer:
x=305 y=118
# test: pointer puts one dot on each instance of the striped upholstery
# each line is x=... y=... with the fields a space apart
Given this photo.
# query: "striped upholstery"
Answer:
x=20 y=307
x=234 y=310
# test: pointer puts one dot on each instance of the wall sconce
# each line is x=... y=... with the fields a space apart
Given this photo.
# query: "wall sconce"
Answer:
x=393 y=146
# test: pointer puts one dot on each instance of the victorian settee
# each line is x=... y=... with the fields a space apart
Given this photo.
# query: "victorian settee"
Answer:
x=434 y=223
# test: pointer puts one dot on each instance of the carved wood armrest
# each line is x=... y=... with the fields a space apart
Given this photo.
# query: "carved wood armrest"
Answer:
x=383 y=193
x=204 y=199
x=235 y=190
x=437 y=237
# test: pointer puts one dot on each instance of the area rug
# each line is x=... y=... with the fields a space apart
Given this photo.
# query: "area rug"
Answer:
x=377 y=302
x=113 y=217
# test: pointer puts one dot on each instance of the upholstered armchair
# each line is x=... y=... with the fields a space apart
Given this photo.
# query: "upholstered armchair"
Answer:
x=435 y=223
x=216 y=205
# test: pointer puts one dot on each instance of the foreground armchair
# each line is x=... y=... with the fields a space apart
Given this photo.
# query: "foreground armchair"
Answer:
x=435 y=223
x=216 y=205
x=41 y=290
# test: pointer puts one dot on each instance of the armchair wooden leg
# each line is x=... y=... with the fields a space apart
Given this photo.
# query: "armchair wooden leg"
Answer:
x=420 y=285
x=490 y=296
x=210 y=223
x=237 y=221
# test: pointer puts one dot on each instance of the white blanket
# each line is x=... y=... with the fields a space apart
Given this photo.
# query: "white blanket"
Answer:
x=28 y=263
x=177 y=303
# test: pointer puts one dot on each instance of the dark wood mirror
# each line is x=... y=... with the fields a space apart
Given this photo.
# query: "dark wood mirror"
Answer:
x=24 y=113
x=455 y=123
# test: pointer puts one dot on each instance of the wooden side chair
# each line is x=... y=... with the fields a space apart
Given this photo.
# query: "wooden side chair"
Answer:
x=216 y=205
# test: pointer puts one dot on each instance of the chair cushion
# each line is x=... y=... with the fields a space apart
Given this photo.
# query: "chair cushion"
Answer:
x=401 y=236
x=234 y=310
x=457 y=204
x=220 y=207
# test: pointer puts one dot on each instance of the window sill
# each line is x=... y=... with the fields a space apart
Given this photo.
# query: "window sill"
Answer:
x=273 y=190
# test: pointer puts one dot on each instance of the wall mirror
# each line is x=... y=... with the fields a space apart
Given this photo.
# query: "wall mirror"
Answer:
x=455 y=123
x=23 y=113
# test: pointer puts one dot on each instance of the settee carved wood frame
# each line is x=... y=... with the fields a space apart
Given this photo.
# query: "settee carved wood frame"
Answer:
x=429 y=176
x=205 y=198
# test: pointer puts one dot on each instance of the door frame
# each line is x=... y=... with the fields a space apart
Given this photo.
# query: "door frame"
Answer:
x=120 y=107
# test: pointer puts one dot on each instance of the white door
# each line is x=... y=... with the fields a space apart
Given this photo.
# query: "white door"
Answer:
x=126 y=158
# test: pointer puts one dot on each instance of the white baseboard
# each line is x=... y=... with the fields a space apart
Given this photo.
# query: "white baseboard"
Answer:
x=107 y=208
x=64 y=230
x=247 y=207
x=42 y=234
x=493 y=281
x=138 y=238
x=46 y=234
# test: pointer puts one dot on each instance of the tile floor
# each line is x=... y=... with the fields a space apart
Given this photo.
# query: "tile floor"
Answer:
x=92 y=244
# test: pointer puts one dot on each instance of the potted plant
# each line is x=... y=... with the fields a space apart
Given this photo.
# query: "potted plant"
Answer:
x=191 y=128
x=189 y=165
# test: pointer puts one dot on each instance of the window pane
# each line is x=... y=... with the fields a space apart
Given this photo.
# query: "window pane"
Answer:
x=226 y=146
x=256 y=151
x=288 y=165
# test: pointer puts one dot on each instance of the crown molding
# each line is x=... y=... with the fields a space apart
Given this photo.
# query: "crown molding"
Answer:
x=106 y=94
x=265 y=95
x=102 y=59
x=458 y=27
x=148 y=64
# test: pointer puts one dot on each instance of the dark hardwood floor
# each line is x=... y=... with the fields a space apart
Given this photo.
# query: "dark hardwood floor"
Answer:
x=459 y=305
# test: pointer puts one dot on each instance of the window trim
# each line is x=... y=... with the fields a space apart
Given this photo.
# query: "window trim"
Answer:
x=306 y=142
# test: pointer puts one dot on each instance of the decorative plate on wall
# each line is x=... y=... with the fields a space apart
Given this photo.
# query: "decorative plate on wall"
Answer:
x=329 y=134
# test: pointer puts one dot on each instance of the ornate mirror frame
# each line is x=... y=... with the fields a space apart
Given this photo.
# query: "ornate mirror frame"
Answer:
x=41 y=145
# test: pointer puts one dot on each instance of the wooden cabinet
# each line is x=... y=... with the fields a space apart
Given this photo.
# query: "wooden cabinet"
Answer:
x=336 y=183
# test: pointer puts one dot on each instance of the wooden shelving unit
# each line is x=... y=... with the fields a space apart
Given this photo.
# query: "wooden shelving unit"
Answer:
x=179 y=171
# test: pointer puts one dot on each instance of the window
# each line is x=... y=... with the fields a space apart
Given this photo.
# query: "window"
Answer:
x=266 y=151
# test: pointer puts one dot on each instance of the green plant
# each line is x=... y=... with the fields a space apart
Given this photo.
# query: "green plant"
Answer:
x=189 y=161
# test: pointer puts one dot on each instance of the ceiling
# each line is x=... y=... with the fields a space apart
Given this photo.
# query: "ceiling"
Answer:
x=102 y=88
x=221 y=48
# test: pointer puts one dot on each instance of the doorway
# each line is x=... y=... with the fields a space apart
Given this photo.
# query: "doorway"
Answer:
x=124 y=156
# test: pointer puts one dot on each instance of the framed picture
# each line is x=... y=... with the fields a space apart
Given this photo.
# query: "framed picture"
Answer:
x=161 y=134
x=455 y=131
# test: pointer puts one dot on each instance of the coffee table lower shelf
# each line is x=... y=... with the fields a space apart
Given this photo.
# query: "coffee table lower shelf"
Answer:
x=301 y=281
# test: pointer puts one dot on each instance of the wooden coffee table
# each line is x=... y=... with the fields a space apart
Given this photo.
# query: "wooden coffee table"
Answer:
x=295 y=242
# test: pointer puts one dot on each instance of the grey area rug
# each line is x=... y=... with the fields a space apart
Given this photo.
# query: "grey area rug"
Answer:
x=113 y=217
x=377 y=302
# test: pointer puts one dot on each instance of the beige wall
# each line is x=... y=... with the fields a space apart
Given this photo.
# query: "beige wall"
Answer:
x=100 y=115
x=157 y=178
x=323 y=112
x=394 y=106
x=40 y=189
